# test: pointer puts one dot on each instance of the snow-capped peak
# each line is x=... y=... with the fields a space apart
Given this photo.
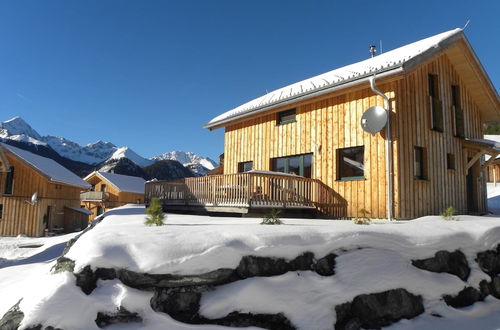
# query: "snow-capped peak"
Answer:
x=17 y=126
x=186 y=158
x=130 y=154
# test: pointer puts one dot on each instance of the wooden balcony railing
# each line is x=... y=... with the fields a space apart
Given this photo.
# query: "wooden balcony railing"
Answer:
x=91 y=196
x=248 y=190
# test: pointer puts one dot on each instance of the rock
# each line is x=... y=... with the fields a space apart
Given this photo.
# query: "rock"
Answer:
x=40 y=327
x=303 y=262
x=489 y=261
x=63 y=265
x=182 y=304
x=265 y=321
x=378 y=309
x=142 y=281
x=466 y=297
x=326 y=265
x=491 y=288
x=251 y=266
x=12 y=318
x=105 y=273
x=86 y=280
x=121 y=316
x=454 y=263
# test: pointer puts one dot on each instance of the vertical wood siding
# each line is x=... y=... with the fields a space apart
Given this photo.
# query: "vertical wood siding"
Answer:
x=323 y=125
x=115 y=197
x=444 y=187
x=19 y=217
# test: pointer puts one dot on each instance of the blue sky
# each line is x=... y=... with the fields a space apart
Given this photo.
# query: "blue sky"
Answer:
x=149 y=74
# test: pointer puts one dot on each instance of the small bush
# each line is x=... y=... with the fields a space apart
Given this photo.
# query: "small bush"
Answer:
x=363 y=219
x=155 y=214
x=272 y=218
x=449 y=213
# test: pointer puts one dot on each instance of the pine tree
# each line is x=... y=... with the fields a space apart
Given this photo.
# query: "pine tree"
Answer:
x=155 y=212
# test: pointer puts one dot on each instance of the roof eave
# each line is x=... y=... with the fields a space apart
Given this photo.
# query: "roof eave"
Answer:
x=318 y=92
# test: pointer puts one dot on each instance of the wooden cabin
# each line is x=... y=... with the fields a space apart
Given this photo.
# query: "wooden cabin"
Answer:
x=439 y=97
x=38 y=195
x=110 y=190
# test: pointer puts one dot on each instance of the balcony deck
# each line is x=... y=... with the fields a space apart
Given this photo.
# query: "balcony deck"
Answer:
x=246 y=192
x=93 y=196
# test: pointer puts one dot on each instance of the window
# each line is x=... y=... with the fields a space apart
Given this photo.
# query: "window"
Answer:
x=245 y=166
x=103 y=187
x=9 y=181
x=450 y=161
x=1 y=211
x=420 y=160
x=297 y=164
x=287 y=116
x=435 y=104
x=458 y=112
x=351 y=163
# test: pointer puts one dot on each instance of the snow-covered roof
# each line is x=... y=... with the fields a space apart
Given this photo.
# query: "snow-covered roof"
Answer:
x=54 y=171
x=492 y=145
x=124 y=183
x=79 y=209
x=388 y=63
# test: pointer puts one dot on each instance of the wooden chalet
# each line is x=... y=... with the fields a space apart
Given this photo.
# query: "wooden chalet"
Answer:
x=38 y=195
x=110 y=190
x=439 y=96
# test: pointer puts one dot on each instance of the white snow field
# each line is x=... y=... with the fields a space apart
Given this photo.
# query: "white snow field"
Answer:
x=371 y=258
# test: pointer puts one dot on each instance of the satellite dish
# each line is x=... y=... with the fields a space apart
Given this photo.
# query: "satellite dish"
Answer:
x=34 y=199
x=374 y=119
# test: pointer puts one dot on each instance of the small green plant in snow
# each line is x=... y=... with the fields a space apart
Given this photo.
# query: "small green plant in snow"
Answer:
x=272 y=218
x=449 y=213
x=155 y=214
x=363 y=219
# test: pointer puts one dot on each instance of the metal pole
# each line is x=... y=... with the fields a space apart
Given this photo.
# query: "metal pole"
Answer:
x=388 y=148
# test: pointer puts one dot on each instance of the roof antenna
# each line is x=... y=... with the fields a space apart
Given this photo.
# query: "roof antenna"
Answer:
x=381 y=49
x=373 y=49
x=466 y=24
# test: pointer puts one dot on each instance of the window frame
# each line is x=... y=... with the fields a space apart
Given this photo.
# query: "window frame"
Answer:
x=456 y=107
x=284 y=113
x=340 y=176
x=241 y=166
x=423 y=163
x=9 y=182
x=436 y=106
x=450 y=161
x=286 y=166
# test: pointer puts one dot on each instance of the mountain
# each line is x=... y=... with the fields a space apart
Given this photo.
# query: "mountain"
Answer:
x=122 y=166
x=187 y=158
x=197 y=164
x=104 y=156
x=91 y=154
x=126 y=152
x=17 y=126
x=167 y=170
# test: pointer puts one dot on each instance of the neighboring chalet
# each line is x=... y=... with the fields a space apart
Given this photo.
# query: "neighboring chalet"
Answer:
x=439 y=97
x=38 y=195
x=111 y=190
x=493 y=170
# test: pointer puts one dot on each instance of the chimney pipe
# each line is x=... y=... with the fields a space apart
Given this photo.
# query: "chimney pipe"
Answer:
x=373 y=50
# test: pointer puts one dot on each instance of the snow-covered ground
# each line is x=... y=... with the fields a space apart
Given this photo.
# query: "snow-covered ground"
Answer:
x=190 y=244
